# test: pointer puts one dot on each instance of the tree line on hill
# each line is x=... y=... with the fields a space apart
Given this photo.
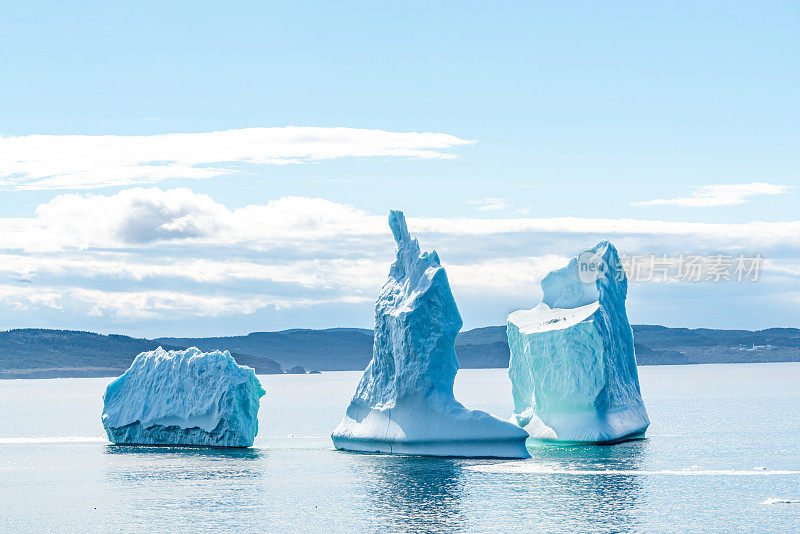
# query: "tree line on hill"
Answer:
x=41 y=353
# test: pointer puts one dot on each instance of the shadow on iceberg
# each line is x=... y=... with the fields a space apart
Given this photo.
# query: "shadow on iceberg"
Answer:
x=573 y=368
x=184 y=451
x=404 y=402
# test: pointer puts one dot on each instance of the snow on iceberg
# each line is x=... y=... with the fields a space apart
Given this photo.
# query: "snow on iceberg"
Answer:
x=572 y=368
x=183 y=397
x=404 y=402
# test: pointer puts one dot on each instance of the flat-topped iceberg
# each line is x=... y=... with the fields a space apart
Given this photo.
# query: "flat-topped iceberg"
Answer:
x=404 y=402
x=183 y=397
x=573 y=369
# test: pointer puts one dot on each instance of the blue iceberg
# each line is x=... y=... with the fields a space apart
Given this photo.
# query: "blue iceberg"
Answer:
x=404 y=402
x=573 y=368
x=183 y=397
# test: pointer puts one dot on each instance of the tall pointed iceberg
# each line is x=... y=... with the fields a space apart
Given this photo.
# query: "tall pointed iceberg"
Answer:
x=572 y=368
x=404 y=402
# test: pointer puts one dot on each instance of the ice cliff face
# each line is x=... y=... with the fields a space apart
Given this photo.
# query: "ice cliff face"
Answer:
x=404 y=402
x=183 y=398
x=573 y=368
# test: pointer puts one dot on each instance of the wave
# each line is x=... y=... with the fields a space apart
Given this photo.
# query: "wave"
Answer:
x=781 y=501
x=535 y=469
x=62 y=439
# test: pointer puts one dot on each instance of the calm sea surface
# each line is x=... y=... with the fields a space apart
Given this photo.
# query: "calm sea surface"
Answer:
x=722 y=454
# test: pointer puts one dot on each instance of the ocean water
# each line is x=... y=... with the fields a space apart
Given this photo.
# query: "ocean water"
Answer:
x=722 y=454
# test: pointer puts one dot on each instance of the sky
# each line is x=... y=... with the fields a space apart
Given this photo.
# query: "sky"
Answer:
x=205 y=168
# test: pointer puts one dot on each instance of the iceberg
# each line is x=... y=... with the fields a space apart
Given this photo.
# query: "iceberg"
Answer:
x=183 y=397
x=404 y=402
x=572 y=367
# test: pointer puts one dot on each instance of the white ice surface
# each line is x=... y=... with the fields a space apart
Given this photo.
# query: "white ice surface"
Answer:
x=183 y=397
x=404 y=402
x=572 y=367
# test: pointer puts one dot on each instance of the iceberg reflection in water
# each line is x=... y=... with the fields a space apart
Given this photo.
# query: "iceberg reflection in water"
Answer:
x=415 y=493
x=424 y=494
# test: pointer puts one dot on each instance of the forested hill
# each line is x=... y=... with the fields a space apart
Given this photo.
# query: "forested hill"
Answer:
x=335 y=349
x=39 y=353
x=35 y=353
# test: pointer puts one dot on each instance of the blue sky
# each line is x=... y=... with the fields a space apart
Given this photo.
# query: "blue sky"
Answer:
x=682 y=112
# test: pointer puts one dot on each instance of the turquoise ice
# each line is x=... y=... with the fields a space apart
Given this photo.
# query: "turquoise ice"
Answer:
x=183 y=397
x=573 y=368
x=404 y=402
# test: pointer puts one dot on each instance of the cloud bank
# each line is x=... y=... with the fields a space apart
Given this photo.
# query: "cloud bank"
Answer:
x=155 y=256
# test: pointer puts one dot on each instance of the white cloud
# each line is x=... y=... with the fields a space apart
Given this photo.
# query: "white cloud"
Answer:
x=135 y=218
x=86 y=161
x=148 y=305
x=790 y=267
x=709 y=196
x=760 y=234
x=502 y=275
x=355 y=276
x=352 y=274
x=488 y=204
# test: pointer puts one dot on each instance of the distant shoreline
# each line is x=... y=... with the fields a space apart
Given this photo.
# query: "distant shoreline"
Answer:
x=43 y=353
x=53 y=374
x=60 y=372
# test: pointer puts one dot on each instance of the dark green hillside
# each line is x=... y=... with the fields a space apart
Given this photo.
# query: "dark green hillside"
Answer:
x=39 y=353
